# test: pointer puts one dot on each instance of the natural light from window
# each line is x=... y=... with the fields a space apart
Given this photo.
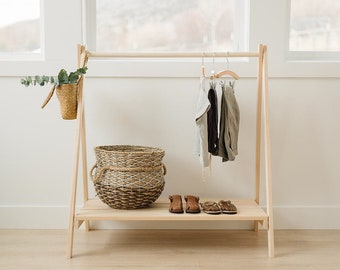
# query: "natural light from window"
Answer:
x=315 y=25
x=20 y=26
x=165 y=25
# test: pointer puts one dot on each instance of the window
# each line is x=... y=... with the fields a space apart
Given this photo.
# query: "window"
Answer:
x=20 y=31
x=166 y=25
x=314 y=26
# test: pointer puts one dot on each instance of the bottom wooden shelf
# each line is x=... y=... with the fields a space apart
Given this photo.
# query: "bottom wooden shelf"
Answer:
x=94 y=209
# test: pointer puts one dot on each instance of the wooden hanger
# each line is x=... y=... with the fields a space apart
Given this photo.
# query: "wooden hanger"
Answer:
x=227 y=72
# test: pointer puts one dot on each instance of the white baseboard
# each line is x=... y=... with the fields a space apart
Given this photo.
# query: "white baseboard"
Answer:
x=56 y=217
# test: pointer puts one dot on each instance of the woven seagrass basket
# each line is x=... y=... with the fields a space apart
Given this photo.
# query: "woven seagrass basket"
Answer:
x=128 y=177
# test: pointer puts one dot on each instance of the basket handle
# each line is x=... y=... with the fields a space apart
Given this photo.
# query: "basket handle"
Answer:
x=93 y=178
x=164 y=169
x=104 y=169
x=48 y=97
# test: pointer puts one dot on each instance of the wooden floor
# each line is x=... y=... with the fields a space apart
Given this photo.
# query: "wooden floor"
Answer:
x=133 y=249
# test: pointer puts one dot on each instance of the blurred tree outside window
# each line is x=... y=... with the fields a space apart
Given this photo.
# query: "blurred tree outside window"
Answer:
x=314 y=25
x=165 y=25
x=20 y=26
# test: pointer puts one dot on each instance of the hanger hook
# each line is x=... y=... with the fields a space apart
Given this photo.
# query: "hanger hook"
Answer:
x=212 y=73
x=214 y=60
x=213 y=70
x=227 y=57
x=202 y=68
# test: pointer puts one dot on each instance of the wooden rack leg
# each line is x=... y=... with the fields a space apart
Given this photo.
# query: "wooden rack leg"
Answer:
x=82 y=61
x=258 y=130
x=84 y=161
x=267 y=152
x=79 y=137
x=79 y=132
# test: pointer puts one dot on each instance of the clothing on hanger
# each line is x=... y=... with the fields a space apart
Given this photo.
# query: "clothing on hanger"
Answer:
x=203 y=106
x=213 y=120
x=217 y=136
x=229 y=124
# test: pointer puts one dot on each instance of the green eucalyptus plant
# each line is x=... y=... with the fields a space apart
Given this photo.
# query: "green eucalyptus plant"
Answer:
x=67 y=95
x=62 y=78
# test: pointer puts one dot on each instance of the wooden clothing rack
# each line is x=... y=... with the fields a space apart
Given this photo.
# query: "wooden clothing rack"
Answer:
x=248 y=209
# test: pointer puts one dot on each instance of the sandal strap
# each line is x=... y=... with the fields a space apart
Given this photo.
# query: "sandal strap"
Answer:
x=192 y=203
x=175 y=203
x=227 y=205
x=210 y=206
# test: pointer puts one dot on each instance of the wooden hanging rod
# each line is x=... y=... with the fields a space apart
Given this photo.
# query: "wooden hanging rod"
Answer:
x=169 y=54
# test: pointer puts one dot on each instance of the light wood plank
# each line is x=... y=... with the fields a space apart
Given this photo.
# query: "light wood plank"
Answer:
x=168 y=54
x=79 y=128
x=267 y=159
x=258 y=129
x=94 y=209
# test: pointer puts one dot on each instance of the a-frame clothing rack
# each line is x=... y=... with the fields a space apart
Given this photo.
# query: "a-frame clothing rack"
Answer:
x=248 y=209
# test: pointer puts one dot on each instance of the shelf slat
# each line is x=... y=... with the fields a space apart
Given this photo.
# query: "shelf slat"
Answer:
x=94 y=209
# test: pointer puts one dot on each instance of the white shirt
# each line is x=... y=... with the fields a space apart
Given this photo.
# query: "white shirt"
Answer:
x=203 y=106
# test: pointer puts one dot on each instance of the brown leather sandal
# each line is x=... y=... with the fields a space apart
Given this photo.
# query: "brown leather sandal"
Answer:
x=227 y=207
x=176 y=204
x=192 y=205
x=211 y=208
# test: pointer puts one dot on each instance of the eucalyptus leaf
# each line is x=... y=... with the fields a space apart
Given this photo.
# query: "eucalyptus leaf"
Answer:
x=45 y=78
x=73 y=77
x=38 y=79
x=24 y=82
x=63 y=77
x=82 y=70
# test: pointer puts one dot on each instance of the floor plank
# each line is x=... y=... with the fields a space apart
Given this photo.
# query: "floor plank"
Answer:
x=158 y=249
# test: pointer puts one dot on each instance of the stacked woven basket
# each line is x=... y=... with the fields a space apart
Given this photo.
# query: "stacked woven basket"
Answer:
x=128 y=177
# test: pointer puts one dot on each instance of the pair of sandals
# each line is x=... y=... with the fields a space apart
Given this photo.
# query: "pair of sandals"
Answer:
x=213 y=208
x=191 y=207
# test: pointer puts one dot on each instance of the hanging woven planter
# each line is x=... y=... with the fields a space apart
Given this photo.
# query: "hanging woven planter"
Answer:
x=67 y=95
x=68 y=99
x=67 y=86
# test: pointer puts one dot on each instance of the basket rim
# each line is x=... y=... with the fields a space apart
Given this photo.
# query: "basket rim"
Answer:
x=131 y=150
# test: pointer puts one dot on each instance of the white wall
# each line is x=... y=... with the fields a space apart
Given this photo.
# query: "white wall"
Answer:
x=37 y=146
